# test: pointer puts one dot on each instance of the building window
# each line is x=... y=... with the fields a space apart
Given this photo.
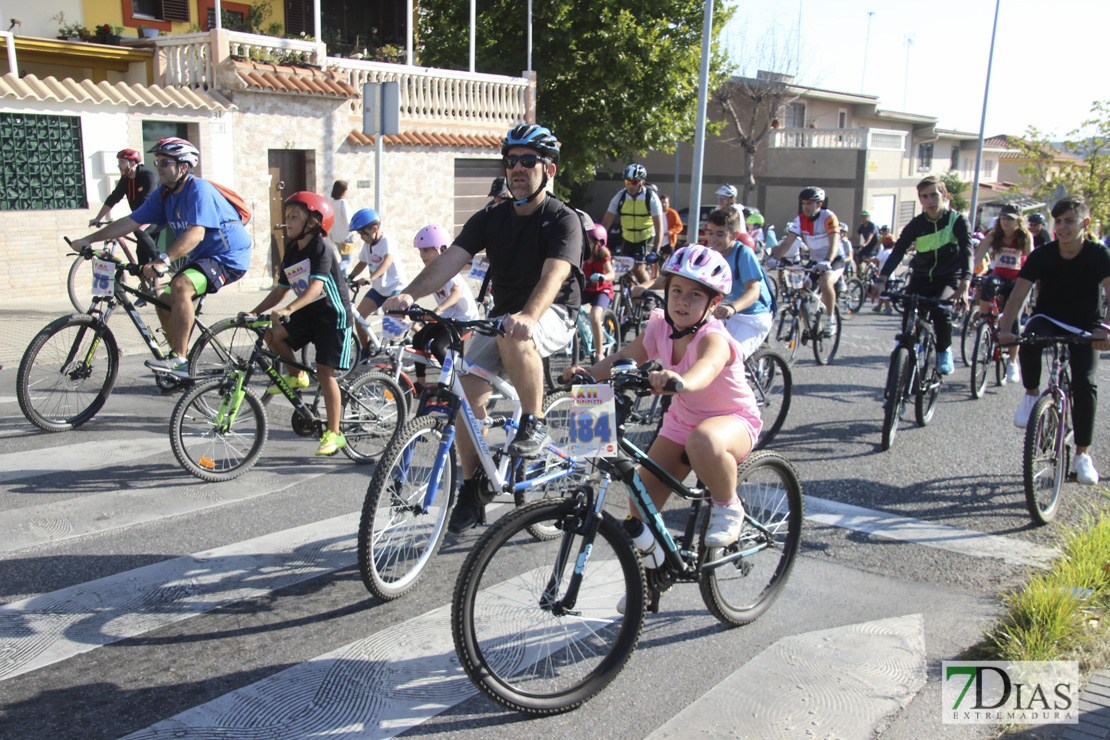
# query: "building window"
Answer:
x=43 y=164
x=925 y=156
x=234 y=15
x=955 y=163
x=794 y=115
x=842 y=118
x=988 y=169
x=155 y=14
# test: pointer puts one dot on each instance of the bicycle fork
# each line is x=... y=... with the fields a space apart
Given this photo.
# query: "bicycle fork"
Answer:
x=229 y=406
x=583 y=520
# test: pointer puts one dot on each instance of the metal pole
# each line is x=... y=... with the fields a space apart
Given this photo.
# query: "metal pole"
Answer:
x=408 y=42
x=473 y=22
x=866 y=44
x=219 y=19
x=983 y=125
x=906 y=79
x=529 y=67
x=677 y=158
x=379 y=149
x=699 y=134
x=316 y=18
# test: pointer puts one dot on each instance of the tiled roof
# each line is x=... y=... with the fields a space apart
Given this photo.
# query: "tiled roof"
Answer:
x=30 y=87
x=292 y=80
x=357 y=138
x=1013 y=145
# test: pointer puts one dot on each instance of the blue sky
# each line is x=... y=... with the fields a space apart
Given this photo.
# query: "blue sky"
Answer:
x=948 y=57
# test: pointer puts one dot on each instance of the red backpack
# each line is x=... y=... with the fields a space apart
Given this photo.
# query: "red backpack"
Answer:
x=230 y=195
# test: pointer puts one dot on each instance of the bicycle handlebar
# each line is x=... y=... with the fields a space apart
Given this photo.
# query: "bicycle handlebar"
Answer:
x=88 y=253
x=637 y=379
x=904 y=296
x=489 y=327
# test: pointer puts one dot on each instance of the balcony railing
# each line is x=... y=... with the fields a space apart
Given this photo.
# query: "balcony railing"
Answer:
x=431 y=98
x=838 y=138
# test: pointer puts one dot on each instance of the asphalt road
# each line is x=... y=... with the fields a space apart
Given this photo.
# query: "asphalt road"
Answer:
x=132 y=593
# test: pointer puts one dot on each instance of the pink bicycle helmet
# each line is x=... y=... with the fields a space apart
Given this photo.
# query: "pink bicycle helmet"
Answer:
x=599 y=233
x=702 y=265
x=432 y=237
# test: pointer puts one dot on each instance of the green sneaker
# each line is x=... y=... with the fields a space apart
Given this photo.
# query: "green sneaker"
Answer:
x=296 y=382
x=330 y=444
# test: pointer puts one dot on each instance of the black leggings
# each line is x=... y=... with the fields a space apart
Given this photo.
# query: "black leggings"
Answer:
x=942 y=319
x=147 y=251
x=1084 y=365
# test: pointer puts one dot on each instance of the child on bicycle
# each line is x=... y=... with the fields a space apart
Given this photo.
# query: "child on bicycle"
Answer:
x=1008 y=244
x=714 y=422
x=320 y=313
x=454 y=300
x=1070 y=271
x=600 y=274
x=746 y=309
x=385 y=274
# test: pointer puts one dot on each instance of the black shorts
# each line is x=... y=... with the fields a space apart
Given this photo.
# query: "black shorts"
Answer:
x=216 y=273
x=635 y=250
x=333 y=345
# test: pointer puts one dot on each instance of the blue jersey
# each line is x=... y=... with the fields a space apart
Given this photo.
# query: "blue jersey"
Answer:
x=200 y=204
x=745 y=268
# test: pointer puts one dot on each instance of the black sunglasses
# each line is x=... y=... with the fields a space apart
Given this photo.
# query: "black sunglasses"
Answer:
x=527 y=161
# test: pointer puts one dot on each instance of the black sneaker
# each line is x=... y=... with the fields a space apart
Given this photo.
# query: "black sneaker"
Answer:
x=468 y=512
x=530 y=438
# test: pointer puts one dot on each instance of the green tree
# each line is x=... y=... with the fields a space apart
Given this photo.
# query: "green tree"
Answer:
x=1088 y=176
x=956 y=189
x=615 y=79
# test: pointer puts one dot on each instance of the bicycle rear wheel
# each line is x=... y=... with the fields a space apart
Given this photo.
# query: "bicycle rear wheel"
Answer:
x=897 y=381
x=374 y=409
x=1045 y=460
x=521 y=645
x=824 y=348
x=981 y=358
x=773 y=384
x=740 y=590
x=967 y=334
x=227 y=344
x=67 y=373
x=403 y=518
x=211 y=442
x=850 y=300
x=553 y=365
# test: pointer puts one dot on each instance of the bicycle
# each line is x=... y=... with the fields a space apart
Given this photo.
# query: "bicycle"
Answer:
x=70 y=367
x=802 y=318
x=404 y=516
x=1047 y=451
x=79 y=280
x=850 y=292
x=581 y=345
x=913 y=366
x=987 y=349
x=538 y=626
x=219 y=427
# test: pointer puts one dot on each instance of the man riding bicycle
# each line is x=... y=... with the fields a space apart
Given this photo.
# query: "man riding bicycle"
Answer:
x=642 y=219
x=136 y=182
x=534 y=247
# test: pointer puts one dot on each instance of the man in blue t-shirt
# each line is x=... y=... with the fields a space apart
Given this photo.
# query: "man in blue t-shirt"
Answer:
x=207 y=228
x=746 y=310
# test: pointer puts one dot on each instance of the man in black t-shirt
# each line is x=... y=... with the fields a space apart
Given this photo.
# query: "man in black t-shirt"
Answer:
x=534 y=247
x=1040 y=232
x=1070 y=271
x=868 y=235
x=136 y=182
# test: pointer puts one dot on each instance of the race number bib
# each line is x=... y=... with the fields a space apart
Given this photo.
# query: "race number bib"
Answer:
x=479 y=269
x=592 y=422
x=393 y=327
x=622 y=265
x=298 y=276
x=104 y=277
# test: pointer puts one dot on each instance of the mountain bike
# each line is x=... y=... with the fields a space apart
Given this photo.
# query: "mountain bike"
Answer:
x=913 y=366
x=219 y=427
x=1049 y=441
x=69 y=369
x=79 y=281
x=987 y=350
x=408 y=501
x=802 y=318
x=541 y=626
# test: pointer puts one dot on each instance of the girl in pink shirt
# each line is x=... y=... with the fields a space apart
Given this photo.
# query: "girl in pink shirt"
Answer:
x=714 y=422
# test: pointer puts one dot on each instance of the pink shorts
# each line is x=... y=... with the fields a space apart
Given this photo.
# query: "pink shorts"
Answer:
x=677 y=431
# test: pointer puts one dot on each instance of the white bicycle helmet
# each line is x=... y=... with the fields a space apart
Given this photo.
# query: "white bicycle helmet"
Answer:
x=432 y=237
x=178 y=149
x=635 y=172
x=702 y=265
x=727 y=191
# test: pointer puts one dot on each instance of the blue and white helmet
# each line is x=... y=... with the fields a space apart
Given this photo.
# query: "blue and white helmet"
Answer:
x=532 y=136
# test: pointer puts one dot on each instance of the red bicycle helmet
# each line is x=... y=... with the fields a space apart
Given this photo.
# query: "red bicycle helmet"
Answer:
x=317 y=204
x=131 y=155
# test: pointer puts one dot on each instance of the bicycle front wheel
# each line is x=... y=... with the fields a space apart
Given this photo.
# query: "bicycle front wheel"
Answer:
x=404 y=518
x=755 y=568
x=967 y=334
x=824 y=347
x=214 y=436
x=981 y=358
x=373 y=410
x=67 y=373
x=79 y=284
x=787 y=335
x=850 y=300
x=773 y=384
x=1045 y=460
x=554 y=364
x=897 y=381
x=518 y=637
x=928 y=390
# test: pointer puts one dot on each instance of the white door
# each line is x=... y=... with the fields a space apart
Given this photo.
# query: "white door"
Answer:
x=882 y=210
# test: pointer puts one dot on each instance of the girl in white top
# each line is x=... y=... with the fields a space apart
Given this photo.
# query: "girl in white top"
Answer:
x=454 y=300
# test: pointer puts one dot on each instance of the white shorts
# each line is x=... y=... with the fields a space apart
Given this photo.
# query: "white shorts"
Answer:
x=551 y=333
x=749 y=330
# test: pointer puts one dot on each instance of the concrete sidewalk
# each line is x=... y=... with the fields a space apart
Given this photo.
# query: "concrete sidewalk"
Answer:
x=22 y=320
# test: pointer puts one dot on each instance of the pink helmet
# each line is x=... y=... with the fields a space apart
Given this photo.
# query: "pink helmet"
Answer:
x=599 y=233
x=702 y=265
x=432 y=237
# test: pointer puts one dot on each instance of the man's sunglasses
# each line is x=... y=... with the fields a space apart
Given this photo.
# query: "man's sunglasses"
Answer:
x=165 y=163
x=633 y=182
x=527 y=161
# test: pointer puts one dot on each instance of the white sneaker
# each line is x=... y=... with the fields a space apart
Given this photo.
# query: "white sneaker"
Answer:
x=1013 y=373
x=724 y=525
x=1021 y=416
x=1084 y=468
x=622 y=604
